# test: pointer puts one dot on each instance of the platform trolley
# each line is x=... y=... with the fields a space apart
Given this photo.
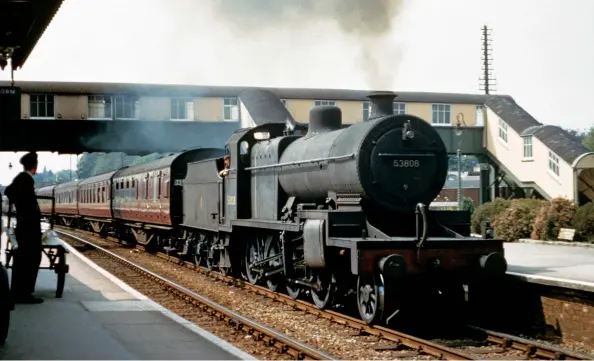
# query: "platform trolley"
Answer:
x=52 y=247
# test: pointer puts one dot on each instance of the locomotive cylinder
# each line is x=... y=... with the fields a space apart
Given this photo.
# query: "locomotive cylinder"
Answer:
x=371 y=159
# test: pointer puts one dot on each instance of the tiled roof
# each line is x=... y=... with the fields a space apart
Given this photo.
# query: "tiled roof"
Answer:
x=565 y=145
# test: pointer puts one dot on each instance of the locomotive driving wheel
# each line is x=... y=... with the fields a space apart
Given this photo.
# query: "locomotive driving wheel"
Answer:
x=210 y=254
x=324 y=296
x=273 y=248
x=295 y=290
x=370 y=298
x=254 y=253
x=199 y=251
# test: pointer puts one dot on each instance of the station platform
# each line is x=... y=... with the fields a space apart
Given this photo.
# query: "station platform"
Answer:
x=101 y=318
x=557 y=265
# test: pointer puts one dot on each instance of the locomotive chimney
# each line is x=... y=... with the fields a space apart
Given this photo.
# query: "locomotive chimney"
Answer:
x=382 y=104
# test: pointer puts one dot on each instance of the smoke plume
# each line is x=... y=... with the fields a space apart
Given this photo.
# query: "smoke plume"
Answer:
x=364 y=26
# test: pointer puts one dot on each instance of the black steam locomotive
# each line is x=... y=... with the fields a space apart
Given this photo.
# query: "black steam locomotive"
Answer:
x=337 y=212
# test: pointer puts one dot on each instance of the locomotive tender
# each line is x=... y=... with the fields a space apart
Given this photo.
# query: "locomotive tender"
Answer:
x=333 y=211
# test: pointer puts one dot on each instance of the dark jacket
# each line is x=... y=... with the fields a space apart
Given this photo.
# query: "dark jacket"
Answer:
x=21 y=193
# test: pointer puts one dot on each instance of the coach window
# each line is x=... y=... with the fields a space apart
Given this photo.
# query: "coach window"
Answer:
x=159 y=184
x=155 y=187
x=146 y=188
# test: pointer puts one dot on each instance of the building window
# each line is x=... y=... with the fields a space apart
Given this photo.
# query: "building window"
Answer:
x=479 y=115
x=366 y=110
x=182 y=109
x=42 y=106
x=126 y=107
x=100 y=107
x=553 y=163
x=528 y=147
x=441 y=114
x=502 y=130
x=318 y=103
x=230 y=109
x=399 y=108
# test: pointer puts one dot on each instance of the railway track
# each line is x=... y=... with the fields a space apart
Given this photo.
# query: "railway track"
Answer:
x=485 y=344
x=157 y=284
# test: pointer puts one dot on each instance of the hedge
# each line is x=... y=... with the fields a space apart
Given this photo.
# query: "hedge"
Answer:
x=489 y=211
x=537 y=219
x=583 y=222
x=517 y=220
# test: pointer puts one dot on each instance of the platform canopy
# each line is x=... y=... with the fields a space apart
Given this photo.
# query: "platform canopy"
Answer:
x=22 y=23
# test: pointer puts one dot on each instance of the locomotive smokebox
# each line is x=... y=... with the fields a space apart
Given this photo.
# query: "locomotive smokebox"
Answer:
x=382 y=104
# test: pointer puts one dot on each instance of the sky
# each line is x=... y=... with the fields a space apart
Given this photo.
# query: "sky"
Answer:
x=542 y=52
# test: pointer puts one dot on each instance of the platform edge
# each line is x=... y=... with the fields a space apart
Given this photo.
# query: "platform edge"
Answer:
x=552 y=281
x=226 y=346
x=556 y=243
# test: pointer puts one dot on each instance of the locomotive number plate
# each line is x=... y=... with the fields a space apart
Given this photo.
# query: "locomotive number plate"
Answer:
x=178 y=182
x=407 y=163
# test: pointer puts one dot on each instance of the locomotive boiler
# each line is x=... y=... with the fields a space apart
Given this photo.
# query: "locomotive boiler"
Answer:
x=392 y=161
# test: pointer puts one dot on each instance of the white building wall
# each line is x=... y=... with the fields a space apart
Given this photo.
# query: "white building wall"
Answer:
x=510 y=153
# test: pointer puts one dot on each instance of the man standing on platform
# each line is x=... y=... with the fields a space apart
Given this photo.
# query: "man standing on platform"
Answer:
x=27 y=258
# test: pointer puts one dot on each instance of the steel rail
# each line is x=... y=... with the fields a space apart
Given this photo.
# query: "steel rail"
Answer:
x=268 y=335
x=529 y=347
x=398 y=338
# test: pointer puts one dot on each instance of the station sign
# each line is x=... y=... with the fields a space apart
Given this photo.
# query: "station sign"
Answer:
x=10 y=103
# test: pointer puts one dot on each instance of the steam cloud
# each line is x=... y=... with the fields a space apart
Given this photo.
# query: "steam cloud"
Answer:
x=365 y=25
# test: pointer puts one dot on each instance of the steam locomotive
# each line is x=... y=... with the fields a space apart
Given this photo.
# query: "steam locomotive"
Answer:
x=339 y=213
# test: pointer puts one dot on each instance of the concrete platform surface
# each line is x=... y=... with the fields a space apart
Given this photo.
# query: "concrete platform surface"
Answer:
x=565 y=265
x=99 y=319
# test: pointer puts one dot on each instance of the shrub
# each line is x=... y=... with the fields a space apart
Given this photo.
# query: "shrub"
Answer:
x=557 y=214
x=489 y=211
x=468 y=205
x=516 y=221
x=583 y=222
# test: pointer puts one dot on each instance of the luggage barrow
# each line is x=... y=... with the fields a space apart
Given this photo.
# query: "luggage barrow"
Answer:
x=52 y=248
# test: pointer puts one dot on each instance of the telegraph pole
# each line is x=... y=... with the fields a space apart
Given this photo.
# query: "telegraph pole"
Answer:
x=487 y=84
x=487 y=80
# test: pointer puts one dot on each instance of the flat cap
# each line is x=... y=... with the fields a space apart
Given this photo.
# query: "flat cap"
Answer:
x=29 y=159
